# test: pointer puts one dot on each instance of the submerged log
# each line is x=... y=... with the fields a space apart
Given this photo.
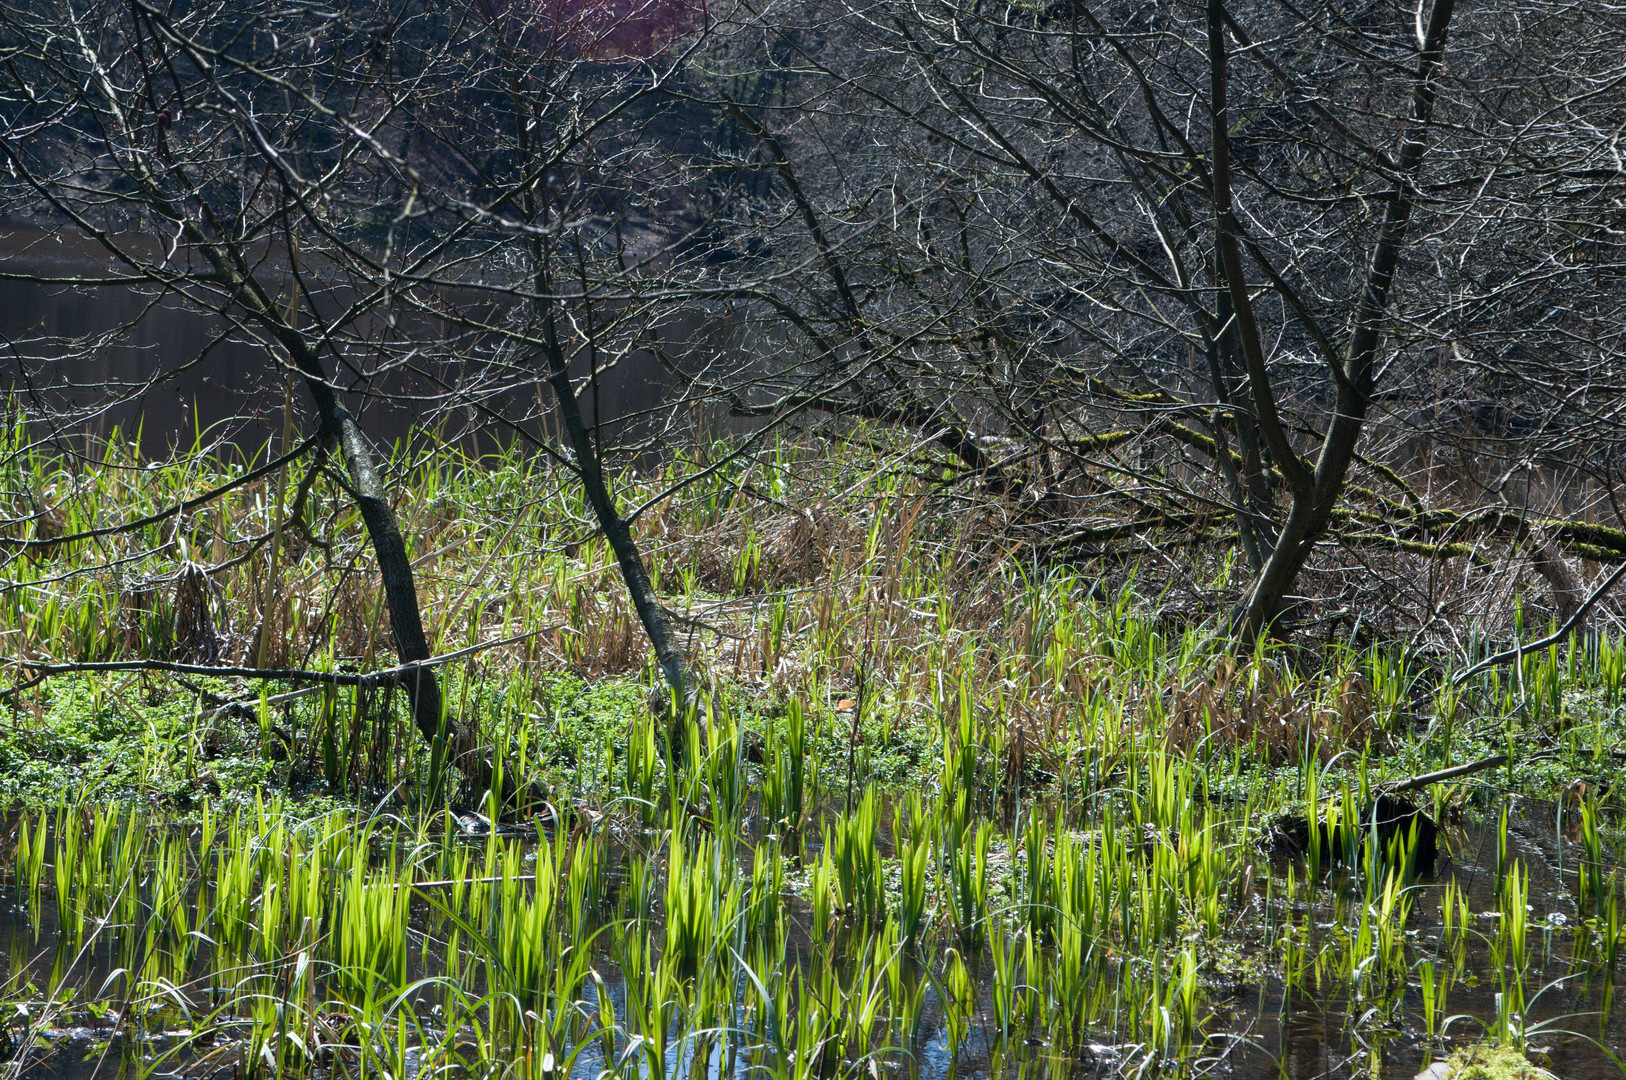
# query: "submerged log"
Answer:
x=1393 y=817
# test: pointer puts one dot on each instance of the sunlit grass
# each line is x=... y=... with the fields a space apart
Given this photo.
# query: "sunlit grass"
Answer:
x=933 y=806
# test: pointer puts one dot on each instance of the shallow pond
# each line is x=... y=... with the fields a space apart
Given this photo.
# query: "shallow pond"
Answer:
x=253 y=946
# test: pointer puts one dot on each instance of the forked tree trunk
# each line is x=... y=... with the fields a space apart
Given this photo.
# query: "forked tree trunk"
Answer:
x=1313 y=496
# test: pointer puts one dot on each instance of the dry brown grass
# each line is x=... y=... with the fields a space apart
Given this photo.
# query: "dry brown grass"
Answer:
x=748 y=552
x=1273 y=712
x=196 y=639
x=599 y=634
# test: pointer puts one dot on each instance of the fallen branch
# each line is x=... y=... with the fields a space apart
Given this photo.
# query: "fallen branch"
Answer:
x=1551 y=639
x=367 y=680
x=1452 y=773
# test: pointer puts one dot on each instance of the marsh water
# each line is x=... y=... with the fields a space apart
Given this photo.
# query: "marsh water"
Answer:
x=1258 y=1025
x=1572 y=1024
x=153 y=363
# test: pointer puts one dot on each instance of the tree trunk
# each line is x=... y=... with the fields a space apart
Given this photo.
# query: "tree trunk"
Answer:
x=234 y=270
x=339 y=427
x=616 y=530
x=1312 y=503
x=1555 y=570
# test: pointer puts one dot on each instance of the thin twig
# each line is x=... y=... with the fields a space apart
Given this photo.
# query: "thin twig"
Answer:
x=168 y=511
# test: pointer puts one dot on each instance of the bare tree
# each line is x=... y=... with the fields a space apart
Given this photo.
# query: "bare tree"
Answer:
x=1215 y=232
x=446 y=207
x=1175 y=272
x=138 y=131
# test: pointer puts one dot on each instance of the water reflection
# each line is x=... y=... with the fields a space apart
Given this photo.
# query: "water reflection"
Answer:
x=172 y=371
x=1312 y=1025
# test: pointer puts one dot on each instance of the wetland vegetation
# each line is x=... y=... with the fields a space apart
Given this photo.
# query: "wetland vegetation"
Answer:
x=937 y=811
x=812 y=539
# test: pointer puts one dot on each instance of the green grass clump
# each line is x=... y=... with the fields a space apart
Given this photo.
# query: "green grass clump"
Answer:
x=1486 y=1062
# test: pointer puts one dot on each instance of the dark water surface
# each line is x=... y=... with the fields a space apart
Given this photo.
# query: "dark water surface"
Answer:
x=233 y=382
x=171 y=370
x=1573 y=1024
